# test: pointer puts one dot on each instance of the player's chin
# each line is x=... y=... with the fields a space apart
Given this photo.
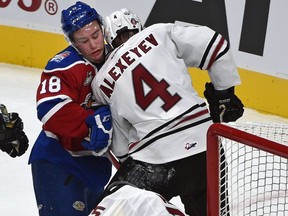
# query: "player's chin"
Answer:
x=97 y=57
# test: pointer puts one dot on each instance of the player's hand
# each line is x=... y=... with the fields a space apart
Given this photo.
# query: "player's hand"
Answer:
x=13 y=140
x=100 y=131
x=224 y=105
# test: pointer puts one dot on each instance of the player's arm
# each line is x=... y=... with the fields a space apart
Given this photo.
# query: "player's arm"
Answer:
x=13 y=140
x=212 y=52
x=58 y=107
x=203 y=48
x=224 y=105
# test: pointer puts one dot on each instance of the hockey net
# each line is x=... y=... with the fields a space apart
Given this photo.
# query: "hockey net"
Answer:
x=247 y=168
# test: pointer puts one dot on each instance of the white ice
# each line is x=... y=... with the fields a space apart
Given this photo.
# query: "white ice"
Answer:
x=18 y=92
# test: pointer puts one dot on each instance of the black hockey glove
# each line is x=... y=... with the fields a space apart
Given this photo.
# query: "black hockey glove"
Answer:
x=13 y=140
x=224 y=105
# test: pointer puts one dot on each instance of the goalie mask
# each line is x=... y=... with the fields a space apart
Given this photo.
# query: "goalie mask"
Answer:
x=120 y=21
x=76 y=17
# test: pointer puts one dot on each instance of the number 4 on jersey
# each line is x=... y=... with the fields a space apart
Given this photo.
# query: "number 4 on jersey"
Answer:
x=157 y=89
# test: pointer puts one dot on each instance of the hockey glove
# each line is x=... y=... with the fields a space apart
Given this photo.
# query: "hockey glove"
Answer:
x=100 y=131
x=13 y=140
x=224 y=105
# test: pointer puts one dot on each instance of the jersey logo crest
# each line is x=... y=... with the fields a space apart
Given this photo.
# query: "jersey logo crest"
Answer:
x=190 y=145
x=78 y=205
x=58 y=58
x=89 y=101
x=88 y=79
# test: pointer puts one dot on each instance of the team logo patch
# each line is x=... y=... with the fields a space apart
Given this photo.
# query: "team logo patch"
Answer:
x=89 y=101
x=88 y=79
x=134 y=22
x=190 y=145
x=78 y=205
x=58 y=58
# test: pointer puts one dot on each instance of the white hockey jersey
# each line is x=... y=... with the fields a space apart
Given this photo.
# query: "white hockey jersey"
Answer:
x=131 y=201
x=158 y=117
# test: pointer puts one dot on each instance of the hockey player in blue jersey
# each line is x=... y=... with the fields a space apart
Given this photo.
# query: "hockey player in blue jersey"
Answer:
x=67 y=177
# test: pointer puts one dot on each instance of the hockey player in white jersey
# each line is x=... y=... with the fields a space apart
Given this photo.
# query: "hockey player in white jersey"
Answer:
x=124 y=199
x=159 y=121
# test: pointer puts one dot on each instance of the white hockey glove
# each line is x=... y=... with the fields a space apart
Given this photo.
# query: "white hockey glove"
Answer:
x=100 y=131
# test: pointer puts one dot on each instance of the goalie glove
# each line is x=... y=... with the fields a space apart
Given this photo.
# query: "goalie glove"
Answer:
x=100 y=131
x=13 y=140
x=224 y=105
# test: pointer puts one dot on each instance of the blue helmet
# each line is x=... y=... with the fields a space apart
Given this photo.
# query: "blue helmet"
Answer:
x=77 y=16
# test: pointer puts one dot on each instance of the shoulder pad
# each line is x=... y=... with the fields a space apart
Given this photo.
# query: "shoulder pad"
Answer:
x=64 y=59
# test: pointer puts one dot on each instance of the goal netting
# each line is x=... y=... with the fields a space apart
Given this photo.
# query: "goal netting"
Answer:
x=247 y=168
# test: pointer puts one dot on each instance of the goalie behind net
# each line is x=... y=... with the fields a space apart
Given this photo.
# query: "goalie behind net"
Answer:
x=252 y=173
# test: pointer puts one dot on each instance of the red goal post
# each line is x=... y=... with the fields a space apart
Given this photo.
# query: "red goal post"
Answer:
x=247 y=170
